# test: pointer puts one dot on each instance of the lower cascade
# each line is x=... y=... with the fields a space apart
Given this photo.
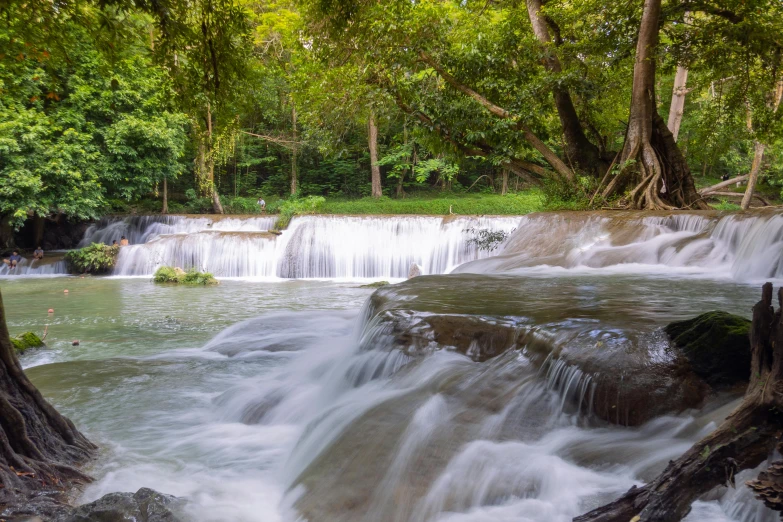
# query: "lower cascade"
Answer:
x=533 y=382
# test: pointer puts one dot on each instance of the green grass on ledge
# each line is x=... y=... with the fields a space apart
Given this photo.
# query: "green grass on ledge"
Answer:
x=462 y=204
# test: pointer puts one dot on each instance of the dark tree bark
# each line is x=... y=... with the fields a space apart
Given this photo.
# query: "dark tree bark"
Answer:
x=38 y=447
x=165 y=208
x=651 y=163
x=374 y=168
x=744 y=440
x=579 y=150
x=294 y=175
x=217 y=208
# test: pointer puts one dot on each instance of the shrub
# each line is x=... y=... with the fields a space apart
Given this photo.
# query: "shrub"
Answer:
x=168 y=274
x=240 y=205
x=96 y=258
x=297 y=207
x=560 y=194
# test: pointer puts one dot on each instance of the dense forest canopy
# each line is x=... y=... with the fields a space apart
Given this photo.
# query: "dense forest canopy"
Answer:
x=211 y=102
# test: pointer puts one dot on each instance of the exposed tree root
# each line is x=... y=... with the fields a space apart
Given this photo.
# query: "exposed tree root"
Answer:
x=39 y=448
x=745 y=439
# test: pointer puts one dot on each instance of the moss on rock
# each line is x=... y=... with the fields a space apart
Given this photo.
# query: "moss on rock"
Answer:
x=376 y=284
x=717 y=345
x=25 y=341
x=168 y=274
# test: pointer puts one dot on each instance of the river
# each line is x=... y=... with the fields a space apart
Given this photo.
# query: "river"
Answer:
x=271 y=398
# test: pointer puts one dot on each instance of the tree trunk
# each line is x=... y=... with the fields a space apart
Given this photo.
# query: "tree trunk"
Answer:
x=217 y=208
x=504 y=187
x=39 y=225
x=165 y=209
x=677 y=107
x=650 y=159
x=744 y=440
x=758 y=156
x=579 y=150
x=375 y=169
x=38 y=447
x=294 y=176
x=758 y=152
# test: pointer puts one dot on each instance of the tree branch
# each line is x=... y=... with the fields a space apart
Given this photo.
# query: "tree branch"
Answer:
x=557 y=164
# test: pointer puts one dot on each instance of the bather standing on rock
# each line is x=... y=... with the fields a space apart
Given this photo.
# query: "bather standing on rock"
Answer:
x=124 y=241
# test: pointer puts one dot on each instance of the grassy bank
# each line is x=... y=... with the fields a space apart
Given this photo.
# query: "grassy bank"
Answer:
x=441 y=204
x=435 y=203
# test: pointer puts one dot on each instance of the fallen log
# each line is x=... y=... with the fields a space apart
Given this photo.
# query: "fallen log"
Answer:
x=723 y=184
x=744 y=440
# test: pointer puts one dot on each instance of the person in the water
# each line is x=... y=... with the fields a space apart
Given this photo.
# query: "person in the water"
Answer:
x=114 y=243
x=13 y=260
x=123 y=241
x=38 y=254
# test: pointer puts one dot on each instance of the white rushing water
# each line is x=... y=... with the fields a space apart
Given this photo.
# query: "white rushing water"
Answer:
x=318 y=420
x=315 y=411
x=334 y=247
x=743 y=247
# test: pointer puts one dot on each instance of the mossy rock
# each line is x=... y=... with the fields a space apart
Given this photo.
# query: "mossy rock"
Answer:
x=717 y=345
x=25 y=341
x=376 y=284
x=168 y=274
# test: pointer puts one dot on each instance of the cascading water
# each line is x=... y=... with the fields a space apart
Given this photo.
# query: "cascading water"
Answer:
x=52 y=265
x=745 y=247
x=334 y=247
x=456 y=398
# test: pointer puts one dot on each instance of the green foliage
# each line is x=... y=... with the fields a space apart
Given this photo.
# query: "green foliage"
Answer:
x=96 y=258
x=297 y=207
x=25 y=341
x=168 y=274
x=440 y=204
x=724 y=204
x=558 y=194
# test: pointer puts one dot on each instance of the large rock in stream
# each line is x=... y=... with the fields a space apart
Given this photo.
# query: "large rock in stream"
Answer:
x=608 y=358
x=146 y=505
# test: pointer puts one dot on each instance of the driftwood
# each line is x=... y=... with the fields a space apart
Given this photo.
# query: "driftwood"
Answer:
x=744 y=440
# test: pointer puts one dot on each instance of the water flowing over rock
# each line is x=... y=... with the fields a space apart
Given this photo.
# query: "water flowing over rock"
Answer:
x=625 y=375
x=312 y=247
x=745 y=247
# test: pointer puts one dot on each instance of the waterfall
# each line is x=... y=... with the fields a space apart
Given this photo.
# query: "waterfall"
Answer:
x=29 y=267
x=342 y=247
x=744 y=247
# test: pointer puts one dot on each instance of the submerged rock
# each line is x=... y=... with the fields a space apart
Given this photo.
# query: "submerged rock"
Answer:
x=376 y=284
x=26 y=341
x=717 y=346
x=623 y=370
x=146 y=505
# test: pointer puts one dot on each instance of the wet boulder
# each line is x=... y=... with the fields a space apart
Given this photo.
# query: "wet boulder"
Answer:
x=619 y=368
x=146 y=505
x=716 y=345
x=25 y=341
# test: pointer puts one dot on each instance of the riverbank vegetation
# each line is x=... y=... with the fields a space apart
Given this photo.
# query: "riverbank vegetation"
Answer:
x=96 y=258
x=204 y=107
